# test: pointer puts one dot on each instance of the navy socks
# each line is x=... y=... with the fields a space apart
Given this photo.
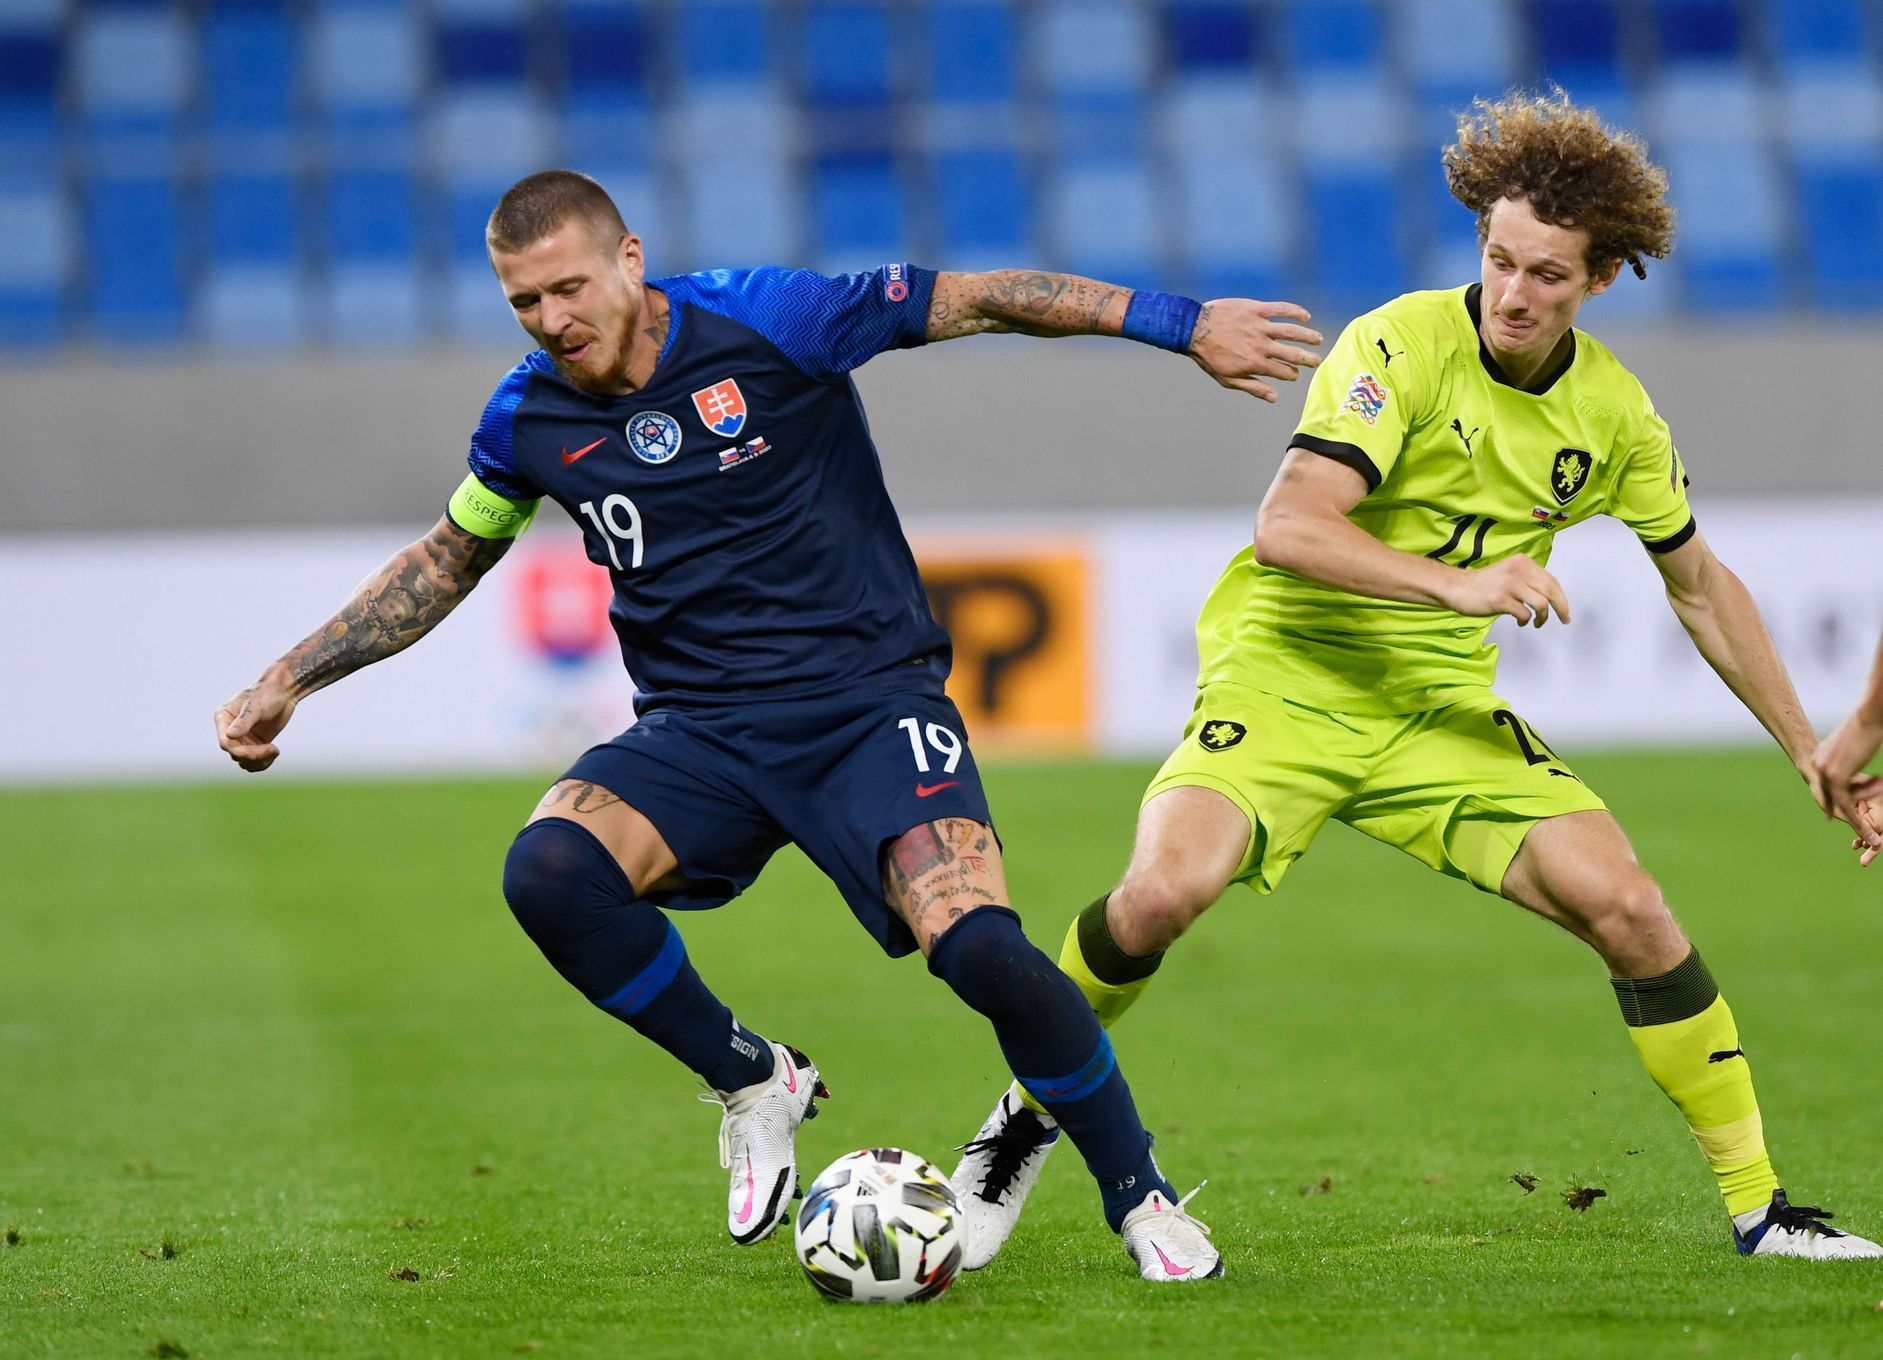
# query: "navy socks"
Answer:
x=1055 y=1046
x=622 y=953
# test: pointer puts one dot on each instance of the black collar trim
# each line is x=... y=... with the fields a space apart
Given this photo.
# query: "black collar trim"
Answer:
x=1492 y=367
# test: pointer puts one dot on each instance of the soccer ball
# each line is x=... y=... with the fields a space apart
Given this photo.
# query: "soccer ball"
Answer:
x=880 y=1225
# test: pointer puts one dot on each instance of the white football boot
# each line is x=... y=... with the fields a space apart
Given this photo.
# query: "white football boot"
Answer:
x=1786 y=1229
x=757 y=1143
x=1167 y=1244
x=1002 y=1163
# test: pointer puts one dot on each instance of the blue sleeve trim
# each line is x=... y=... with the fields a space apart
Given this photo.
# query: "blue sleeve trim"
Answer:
x=826 y=325
x=492 y=458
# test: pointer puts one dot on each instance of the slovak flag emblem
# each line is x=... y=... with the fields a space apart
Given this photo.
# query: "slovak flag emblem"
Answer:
x=722 y=407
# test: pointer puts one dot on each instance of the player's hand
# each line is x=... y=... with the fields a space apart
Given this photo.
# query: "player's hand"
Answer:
x=246 y=726
x=1869 y=811
x=1835 y=767
x=1516 y=586
x=1239 y=342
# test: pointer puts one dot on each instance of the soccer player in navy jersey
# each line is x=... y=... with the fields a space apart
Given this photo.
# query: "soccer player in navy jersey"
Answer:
x=704 y=432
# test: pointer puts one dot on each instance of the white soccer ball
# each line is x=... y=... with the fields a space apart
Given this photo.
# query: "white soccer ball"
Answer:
x=880 y=1225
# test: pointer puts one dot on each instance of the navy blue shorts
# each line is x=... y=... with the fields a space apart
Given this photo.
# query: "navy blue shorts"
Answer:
x=841 y=776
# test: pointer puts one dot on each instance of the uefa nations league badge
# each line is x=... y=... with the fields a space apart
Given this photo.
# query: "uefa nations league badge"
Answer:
x=654 y=436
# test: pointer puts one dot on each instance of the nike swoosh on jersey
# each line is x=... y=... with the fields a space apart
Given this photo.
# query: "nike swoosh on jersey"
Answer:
x=929 y=790
x=568 y=457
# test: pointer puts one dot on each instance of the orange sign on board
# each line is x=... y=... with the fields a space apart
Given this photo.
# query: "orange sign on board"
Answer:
x=1020 y=618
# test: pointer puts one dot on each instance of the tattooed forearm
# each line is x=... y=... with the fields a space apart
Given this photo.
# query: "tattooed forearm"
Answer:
x=395 y=606
x=1027 y=301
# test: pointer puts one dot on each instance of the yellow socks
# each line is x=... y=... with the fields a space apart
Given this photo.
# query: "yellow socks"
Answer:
x=1685 y=1034
x=1110 y=978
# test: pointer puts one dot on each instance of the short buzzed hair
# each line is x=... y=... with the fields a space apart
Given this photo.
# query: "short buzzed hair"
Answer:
x=538 y=206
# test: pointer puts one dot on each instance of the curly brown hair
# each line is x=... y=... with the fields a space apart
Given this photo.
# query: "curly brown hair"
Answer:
x=1573 y=171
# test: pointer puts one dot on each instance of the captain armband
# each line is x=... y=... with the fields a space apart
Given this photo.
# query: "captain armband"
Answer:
x=478 y=510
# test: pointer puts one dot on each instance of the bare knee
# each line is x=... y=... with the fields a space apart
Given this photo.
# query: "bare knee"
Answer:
x=1633 y=930
x=1148 y=911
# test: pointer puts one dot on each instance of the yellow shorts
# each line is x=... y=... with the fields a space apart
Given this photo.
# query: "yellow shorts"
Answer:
x=1457 y=788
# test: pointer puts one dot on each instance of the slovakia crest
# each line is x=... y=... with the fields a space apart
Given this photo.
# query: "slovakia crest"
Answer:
x=654 y=436
x=1366 y=398
x=722 y=407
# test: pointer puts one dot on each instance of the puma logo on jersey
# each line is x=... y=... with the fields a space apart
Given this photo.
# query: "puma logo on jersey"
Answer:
x=1458 y=426
x=1389 y=354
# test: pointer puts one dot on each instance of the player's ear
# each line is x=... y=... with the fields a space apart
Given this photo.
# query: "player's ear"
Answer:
x=1600 y=279
x=628 y=253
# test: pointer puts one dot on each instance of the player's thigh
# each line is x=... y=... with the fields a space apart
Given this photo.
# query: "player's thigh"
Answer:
x=881 y=790
x=666 y=799
x=1579 y=871
x=1460 y=788
x=1277 y=771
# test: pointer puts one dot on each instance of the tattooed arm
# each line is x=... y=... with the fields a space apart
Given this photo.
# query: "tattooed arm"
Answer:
x=1237 y=341
x=393 y=608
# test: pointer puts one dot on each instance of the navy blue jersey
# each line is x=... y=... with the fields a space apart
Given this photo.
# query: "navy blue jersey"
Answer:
x=737 y=500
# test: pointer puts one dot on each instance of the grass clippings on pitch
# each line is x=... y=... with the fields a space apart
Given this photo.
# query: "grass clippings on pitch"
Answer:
x=291 y=1031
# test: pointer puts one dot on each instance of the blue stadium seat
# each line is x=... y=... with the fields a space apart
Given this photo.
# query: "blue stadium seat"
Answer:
x=461 y=209
x=36 y=228
x=249 y=64
x=475 y=310
x=973 y=51
x=1720 y=106
x=1334 y=35
x=1093 y=45
x=1840 y=211
x=646 y=209
x=32 y=62
x=134 y=63
x=1104 y=222
x=1818 y=30
x=1698 y=31
x=372 y=217
x=481 y=50
x=1217 y=110
x=1345 y=119
x=374 y=304
x=603 y=127
x=1732 y=228
x=1356 y=235
x=709 y=126
x=133 y=251
x=984 y=205
x=857 y=213
x=847 y=55
x=1099 y=125
x=1211 y=36
x=489 y=132
x=727 y=42
x=761 y=225
x=606 y=57
x=1236 y=213
x=244 y=306
x=31 y=318
x=253 y=219
x=1830 y=108
x=1579 y=40
x=1454 y=43
x=365 y=56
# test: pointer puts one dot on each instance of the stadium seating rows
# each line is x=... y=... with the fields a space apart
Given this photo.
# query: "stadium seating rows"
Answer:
x=259 y=172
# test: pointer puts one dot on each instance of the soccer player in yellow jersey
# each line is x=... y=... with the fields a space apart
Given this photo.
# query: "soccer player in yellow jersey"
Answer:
x=1447 y=439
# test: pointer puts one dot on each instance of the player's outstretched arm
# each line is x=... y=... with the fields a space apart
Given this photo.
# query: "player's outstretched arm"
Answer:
x=1839 y=759
x=1303 y=528
x=1719 y=614
x=1237 y=341
x=393 y=608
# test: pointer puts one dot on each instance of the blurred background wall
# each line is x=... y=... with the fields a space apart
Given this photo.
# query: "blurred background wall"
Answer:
x=242 y=282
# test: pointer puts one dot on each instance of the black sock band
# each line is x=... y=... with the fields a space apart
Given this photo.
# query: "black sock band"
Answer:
x=1109 y=963
x=1677 y=995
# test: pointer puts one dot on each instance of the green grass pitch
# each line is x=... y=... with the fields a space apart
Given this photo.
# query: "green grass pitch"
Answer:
x=280 y=1077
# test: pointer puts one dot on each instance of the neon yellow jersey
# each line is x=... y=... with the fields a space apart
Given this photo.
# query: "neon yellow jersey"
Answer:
x=1460 y=466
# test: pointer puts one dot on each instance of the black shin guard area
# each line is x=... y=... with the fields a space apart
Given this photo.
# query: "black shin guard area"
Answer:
x=1109 y=963
x=1679 y=994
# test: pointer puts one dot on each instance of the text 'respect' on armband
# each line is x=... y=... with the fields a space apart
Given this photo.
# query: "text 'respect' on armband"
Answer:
x=478 y=510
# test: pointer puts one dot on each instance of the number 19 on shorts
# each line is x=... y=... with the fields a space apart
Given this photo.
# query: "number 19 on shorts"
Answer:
x=946 y=744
